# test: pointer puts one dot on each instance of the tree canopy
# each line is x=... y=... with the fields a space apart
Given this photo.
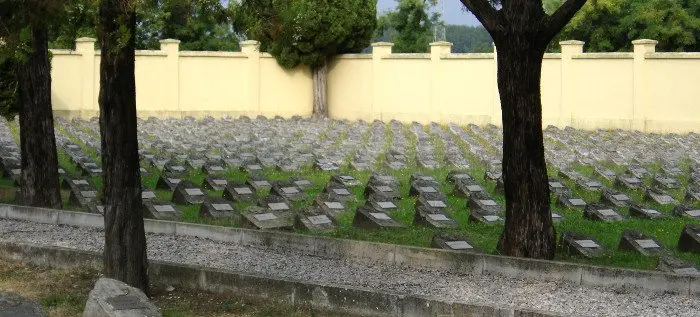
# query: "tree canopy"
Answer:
x=410 y=27
x=468 y=39
x=307 y=32
x=611 y=25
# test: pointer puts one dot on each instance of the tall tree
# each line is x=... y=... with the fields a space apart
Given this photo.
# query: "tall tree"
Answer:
x=469 y=39
x=24 y=53
x=410 y=26
x=521 y=31
x=125 y=241
x=309 y=32
x=611 y=25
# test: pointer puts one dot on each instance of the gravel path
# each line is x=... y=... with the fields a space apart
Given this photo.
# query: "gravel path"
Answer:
x=547 y=296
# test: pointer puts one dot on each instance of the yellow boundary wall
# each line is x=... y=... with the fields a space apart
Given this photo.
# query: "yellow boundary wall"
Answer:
x=641 y=90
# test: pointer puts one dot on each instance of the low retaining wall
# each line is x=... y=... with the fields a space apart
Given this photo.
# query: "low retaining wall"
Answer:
x=328 y=298
x=389 y=254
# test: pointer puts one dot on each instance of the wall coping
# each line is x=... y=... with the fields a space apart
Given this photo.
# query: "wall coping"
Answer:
x=678 y=55
x=468 y=56
x=389 y=254
x=212 y=54
x=323 y=297
x=64 y=52
x=407 y=56
x=604 y=56
x=353 y=56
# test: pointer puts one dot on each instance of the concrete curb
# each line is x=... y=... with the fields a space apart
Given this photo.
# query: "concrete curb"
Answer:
x=389 y=254
x=329 y=298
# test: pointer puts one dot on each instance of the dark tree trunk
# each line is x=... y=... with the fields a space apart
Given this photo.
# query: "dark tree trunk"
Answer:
x=522 y=31
x=39 y=180
x=320 y=90
x=125 y=241
x=528 y=231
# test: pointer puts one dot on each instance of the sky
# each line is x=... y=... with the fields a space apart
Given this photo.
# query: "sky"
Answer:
x=454 y=11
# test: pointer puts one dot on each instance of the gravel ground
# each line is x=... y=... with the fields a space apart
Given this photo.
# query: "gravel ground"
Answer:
x=547 y=296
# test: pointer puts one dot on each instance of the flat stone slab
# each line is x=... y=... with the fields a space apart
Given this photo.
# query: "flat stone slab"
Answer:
x=467 y=187
x=633 y=240
x=161 y=211
x=332 y=209
x=602 y=213
x=615 y=198
x=369 y=218
x=432 y=218
x=214 y=183
x=289 y=191
x=638 y=211
x=315 y=220
x=112 y=298
x=687 y=211
x=238 y=192
x=346 y=180
x=168 y=181
x=259 y=183
x=83 y=197
x=557 y=187
x=628 y=182
x=338 y=192
x=568 y=201
x=581 y=245
x=476 y=216
x=13 y=305
x=187 y=193
x=382 y=190
x=263 y=219
x=219 y=208
x=484 y=205
x=677 y=266
x=689 y=240
x=659 y=196
x=453 y=242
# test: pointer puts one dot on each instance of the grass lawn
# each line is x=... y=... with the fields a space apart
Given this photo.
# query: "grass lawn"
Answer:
x=485 y=237
x=63 y=293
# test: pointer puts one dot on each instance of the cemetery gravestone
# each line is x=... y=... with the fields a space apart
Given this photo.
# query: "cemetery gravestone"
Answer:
x=633 y=240
x=265 y=219
x=219 y=208
x=432 y=218
x=161 y=211
x=689 y=240
x=602 y=213
x=687 y=211
x=239 y=192
x=369 y=218
x=581 y=245
x=453 y=242
x=638 y=211
x=187 y=193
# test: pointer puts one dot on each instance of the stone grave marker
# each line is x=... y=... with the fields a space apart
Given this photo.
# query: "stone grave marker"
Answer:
x=689 y=240
x=326 y=165
x=605 y=173
x=288 y=190
x=493 y=175
x=455 y=176
x=666 y=182
x=617 y=199
x=629 y=182
x=382 y=203
x=570 y=174
x=638 y=211
x=159 y=162
x=602 y=213
x=637 y=170
x=381 y=190
x=214 y=183
x=218 y=208
x=259 y=183
x=659 y=196
x=187 y=193
x=467 y=187
x=477 y=215
x=435 y=203
x=557 y=217
x=693 y=194
x=453 y=242
x=672 y=170
x=421 y=187
x=252 y=169
x=581 y=245
x=275 y=203
x=633 y=240
x=426 y=179
x=687 y=211
x=677 y=266
x=82 y=196
x=301 y=183
x=176 y=169
x=568 y=201
x=154 y=209
x=77 y=183
x=383 y=179
x=238 y=192
x=483 y=204
x=168 y=181
x=424 y=216
x=332 y=209
x=589 y=185
x=94 y=208
x=315 y=220
x=14 y=305
x=370 y=218
x=557 y=187
x=213 y=169
x=147 y=194
x=196 y=163
x=266 y=219
x=346 y=180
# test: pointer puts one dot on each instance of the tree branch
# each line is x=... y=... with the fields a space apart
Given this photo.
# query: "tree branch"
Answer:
x=484 y=12
x=555 y=22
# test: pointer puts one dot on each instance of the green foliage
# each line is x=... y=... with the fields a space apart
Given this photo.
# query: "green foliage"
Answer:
x=307 y=32
x=611 y=25
x=78 y=19
x=410 y=27
x=469 y=39
x=9 y=99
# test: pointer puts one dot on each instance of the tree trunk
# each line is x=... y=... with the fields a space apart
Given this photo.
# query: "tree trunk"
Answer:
x=320 y=90
x=528 y=230
x=39 y=181
x=125 y=241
